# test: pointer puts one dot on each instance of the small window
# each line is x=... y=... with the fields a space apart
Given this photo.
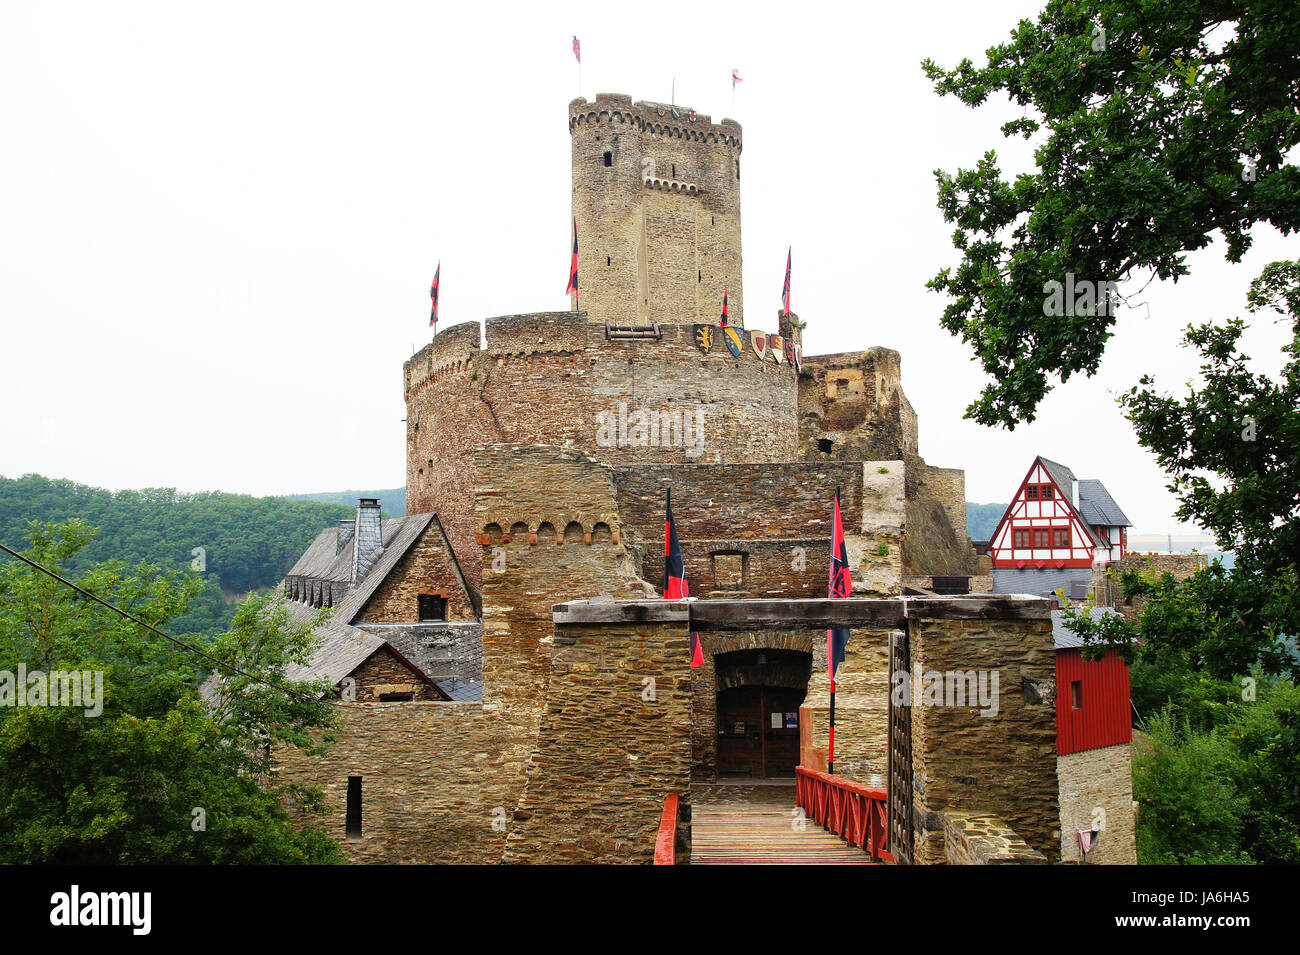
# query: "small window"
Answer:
x=353 y=827
x=824 y=445
x=1021 y=540
x=1047 y=492
x=1031 y=492
x=396 y=697
x=609 y=159
x=1076 y=695
x=432 y=606
x=609 y=260
x=737 y=169
x=674 y=170
x=1060 y=537
x=1042 y=538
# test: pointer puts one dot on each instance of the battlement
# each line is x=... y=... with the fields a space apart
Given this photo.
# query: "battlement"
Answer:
x=537 y=333
x=451 y=350
x=655 y=118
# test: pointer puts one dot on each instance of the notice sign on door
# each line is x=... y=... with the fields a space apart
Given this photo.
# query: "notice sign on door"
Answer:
x=778 y=721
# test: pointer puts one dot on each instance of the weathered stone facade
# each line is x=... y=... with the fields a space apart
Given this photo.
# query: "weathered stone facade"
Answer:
x=1097 y=792
x=428 y=568
x=1003 y=765
x=980 y=839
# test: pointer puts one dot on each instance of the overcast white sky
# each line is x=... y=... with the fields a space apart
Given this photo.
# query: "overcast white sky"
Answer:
x=218 y=222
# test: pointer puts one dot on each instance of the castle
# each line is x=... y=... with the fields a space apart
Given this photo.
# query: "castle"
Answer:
x=484 y=723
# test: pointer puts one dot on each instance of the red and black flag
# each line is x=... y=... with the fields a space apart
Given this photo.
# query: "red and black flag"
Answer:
x=577 y=50
x=573 y=265
x=675 y=586
x=724 y=306
x=841 y=585
x=433 y=294
x=785 y=291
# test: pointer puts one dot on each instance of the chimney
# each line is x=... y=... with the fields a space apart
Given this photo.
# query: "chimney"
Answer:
x=346 y=530
x=369 y=539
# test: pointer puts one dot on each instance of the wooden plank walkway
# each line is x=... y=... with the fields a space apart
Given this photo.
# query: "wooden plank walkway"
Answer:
x=753 y=824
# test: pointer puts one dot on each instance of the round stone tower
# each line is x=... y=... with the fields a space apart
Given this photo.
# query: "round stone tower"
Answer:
x=656 y=200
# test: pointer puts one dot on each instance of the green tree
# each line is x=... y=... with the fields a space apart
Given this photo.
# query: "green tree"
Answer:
x=1189 y=808
x=161 y=775
x=1158 y=123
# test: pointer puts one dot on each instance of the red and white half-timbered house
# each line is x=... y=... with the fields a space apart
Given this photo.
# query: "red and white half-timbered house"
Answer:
x=1053 y=532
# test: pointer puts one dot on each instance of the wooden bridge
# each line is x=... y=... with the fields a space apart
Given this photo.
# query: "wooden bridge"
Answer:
x=824 y=820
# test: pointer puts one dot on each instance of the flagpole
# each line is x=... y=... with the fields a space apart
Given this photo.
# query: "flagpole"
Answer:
x=830 y=653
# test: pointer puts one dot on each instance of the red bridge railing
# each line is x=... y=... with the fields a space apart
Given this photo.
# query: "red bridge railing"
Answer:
x=666 y=842
x=851 y=810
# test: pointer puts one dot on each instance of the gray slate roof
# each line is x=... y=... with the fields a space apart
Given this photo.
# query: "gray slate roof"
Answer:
x=345 y=647
x=1096 y=506
x=1068 y=640
x=1062 y=475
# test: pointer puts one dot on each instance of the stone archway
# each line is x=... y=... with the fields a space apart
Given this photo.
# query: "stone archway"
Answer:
x=758 y=693
x=732 y=681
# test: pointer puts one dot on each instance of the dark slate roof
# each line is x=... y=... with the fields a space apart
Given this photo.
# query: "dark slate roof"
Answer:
x=345 y=647
x=316 y=561
x=1097 y=507
x=1067 y=639
x=463 y=691
x=1062 y=475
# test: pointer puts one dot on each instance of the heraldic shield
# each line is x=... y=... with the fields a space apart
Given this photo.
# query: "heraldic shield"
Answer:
x=758 y=342
x=704 y=338
x=734 y=340
x=776 y=345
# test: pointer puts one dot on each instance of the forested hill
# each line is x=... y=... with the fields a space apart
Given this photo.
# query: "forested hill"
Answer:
x=248 y=542
x=982 y=519
x=392 y=501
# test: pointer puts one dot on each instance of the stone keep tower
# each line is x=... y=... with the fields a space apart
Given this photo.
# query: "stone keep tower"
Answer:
x=656 y=199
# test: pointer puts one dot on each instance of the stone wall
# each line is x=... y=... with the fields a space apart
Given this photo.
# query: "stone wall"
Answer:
x=384 y=673
x=854 y=401
x=1003 y=764
x=1093 y=780
x=538 y=548
x=428 y=567
x=947 y=486
x=981 y=839
x=614 y=741
x=861 y=709
x=777 y=517
x=425 y=783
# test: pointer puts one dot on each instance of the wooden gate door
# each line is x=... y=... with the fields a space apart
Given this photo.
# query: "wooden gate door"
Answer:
x=900 y=756
x=758 y=730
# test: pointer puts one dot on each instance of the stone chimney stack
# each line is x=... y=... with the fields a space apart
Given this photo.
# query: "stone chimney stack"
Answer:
x=346 y=530
x=369 y=539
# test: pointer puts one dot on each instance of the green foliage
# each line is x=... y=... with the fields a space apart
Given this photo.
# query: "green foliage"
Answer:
x=882 y=549
x=1217 y=772
x=982 y=519
x=249 y=543
x=1189 y=809
x=122 y=787
x=1149 y=141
